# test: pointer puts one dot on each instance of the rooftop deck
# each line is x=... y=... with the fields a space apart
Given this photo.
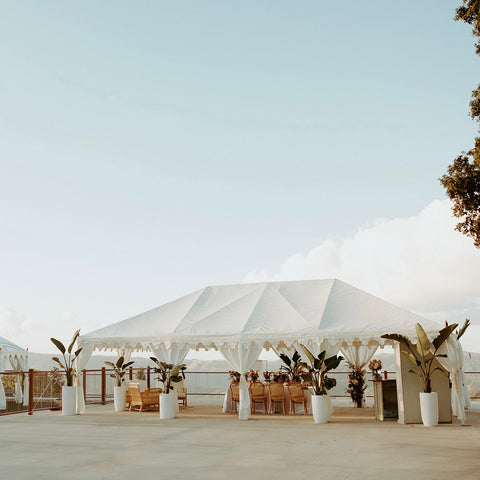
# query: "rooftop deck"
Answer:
x=203 y=443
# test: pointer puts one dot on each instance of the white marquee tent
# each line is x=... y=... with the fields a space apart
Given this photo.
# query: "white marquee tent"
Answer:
x=17 y=357
x=240 y=320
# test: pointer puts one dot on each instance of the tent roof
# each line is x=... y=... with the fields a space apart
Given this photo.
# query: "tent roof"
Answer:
x=270 y=312
x=10 y=349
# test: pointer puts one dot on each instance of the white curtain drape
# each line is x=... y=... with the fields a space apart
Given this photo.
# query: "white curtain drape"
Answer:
x=80 y=364
x=20 y=364
x=3 y=399
x=170 y=352
x=241 y=358
x=454 y=364
x=358 y=354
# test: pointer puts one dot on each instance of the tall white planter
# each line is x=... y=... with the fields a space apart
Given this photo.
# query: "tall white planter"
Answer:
x=429 y=408
x=320 y=408
x=119 y=398
x=69 y=399
x=167 y=406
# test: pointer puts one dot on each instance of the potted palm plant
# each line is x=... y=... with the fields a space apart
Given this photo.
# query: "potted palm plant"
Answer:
x=168 y=373
x=423 y=355
x=119 y=393
x=293 y=366
x=320 y=383
x=68 y=390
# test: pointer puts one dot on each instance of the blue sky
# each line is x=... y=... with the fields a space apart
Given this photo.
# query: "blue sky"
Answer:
x=152 y=148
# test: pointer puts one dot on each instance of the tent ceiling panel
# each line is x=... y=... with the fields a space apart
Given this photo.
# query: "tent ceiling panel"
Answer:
x=349 y=309
x=10 y=349
x=269 y=312
x=220 y=311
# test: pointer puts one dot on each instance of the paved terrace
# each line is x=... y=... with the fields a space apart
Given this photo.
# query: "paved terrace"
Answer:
x=203 y=443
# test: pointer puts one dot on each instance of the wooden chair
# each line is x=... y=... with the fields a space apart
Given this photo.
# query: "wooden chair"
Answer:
x=181 y=392
x=257 y=395
x=296 y=397
x=235 y=396
x=276 y=394
x=147 y=399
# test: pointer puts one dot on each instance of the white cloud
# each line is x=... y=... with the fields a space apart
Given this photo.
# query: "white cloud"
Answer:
x=420 y=263
x=36 y=336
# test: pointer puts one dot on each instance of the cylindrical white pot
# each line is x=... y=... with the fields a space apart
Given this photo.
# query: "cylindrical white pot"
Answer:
x=167 y=406
x=320 y=409
x=429 y=409
x=119 y=396
x=69 y=400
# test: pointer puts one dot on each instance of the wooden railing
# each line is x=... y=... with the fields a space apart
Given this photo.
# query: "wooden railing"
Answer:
x=98 y=389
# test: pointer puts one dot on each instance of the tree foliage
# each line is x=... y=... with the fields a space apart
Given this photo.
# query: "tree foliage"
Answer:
x=462 y=180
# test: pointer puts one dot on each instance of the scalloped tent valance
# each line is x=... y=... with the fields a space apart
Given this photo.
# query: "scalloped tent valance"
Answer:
x=269 y=314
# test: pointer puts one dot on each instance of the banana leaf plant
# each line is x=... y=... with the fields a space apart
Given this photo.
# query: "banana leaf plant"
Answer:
x=119 y=370
x=317 y=369
x=425 y=352
x=168 y=373
x=68 y=357
x=293 y=366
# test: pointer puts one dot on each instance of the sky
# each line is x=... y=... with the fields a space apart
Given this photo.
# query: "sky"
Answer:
x=149 y=149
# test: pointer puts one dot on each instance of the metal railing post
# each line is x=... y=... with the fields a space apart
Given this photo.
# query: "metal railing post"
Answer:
x=30 y=391
x=104 y=386
x=130 y=373
x=148 y=376
x=84 y=374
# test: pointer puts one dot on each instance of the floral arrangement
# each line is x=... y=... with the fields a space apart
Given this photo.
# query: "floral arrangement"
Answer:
x=280 y=377
x=356 y=384
x=252 y=376
x=375 y=366
x=267 y=376
x=234 y=376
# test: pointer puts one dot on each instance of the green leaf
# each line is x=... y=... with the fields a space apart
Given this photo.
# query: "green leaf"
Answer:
x=308 y=353
x=333 y=362
x=443 y=335
x=398 y=338
x=58 y=344
x=74 y=339
x=110 y=364
x=296 y=356
x=120 y=362
x=423 y=346
x=411 y=357
x=78 y=351
x=464 y=328
x=56 y=359
x=128 y=364
x=285 y=359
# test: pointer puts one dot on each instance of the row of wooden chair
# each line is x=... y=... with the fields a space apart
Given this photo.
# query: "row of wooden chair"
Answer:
x=276 y=395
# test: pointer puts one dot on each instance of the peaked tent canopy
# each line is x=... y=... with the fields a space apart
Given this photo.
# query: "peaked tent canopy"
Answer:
x=273 y=314
x=240 y=320
x=18 y=359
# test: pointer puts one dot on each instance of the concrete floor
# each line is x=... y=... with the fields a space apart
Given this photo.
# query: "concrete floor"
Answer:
x=203 y=443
